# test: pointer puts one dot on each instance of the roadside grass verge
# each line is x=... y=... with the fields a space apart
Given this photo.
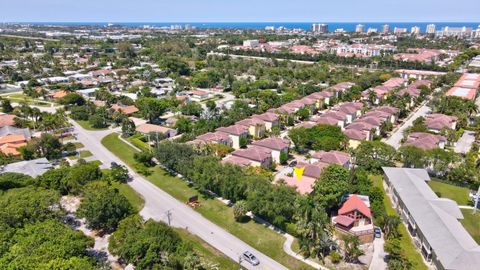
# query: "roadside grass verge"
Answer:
x=255 y=234
x=132 y=196
x=85 y=154
x=86 y=125
x=405 y=241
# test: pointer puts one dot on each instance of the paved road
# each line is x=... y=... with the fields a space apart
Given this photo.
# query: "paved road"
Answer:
x=465 y=142
x=397 y=135
x=378 y=258
x=158 y=202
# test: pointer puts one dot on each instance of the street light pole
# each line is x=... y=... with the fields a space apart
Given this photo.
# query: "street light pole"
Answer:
x=476 y=201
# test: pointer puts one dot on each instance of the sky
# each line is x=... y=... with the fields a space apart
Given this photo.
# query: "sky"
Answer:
x=239 y=11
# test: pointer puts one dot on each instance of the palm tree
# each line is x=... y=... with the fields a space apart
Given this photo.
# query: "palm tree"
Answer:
x=351 y=245
x=390 y=225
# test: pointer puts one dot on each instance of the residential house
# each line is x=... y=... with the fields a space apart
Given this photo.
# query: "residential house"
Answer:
x=270 y=119
x=216 y=138
x=199 y=95
x=425 y=141
x=351 y=109
x=355 y=218
x=277 y=146
x=256 y=127
x=150 y=128
x=9 y=144
x=7 y=120
x=355 y=137
x=259 y=156
x=33 y=167
x=57 y=95
x=436 y=122
x=319 y=99
x=236 y=133
x=332 y=157
x=341 y=117
x=432 y=222
x=127 y=110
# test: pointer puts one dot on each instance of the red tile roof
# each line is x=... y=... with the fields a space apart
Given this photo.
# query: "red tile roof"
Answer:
x=7 y=120
x=273 y=143
x=355 y=203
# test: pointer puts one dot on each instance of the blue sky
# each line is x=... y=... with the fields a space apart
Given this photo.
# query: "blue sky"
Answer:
x=239 y=10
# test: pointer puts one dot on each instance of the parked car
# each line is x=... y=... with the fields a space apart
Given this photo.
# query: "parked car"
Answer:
x=377 y=232
x=249 y=257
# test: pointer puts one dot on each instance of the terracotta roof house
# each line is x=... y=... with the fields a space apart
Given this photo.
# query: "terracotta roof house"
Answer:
x=58 y=95
x=127 y=110
x=7 y=120
x=355 y=137
x=256 y=127
x=327 y=96
x=464 y=83
x=199 y=95
x=436 y=122
x=235 y=132
x=340 y=116
x=277 y=147
x=351 y=109
x=271 y=120
x=216 y=137
x=425 y=141
x=333 y=157
x=340 y=88
x=239 y=161
x=355 y=218
x=260 y=156
x=313 y=170
x=319 y=98
x=9 y=144
x=327 y=120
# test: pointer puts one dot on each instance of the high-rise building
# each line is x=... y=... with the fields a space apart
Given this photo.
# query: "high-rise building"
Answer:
x=360 y=28
x=415 y=30
x=372 y=30
x=385 y=28
x=430 y=29
x=399 y=30
x=320 y=28
x=448 y=31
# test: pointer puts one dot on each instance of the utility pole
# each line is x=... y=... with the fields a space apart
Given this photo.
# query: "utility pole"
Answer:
x=169 y=217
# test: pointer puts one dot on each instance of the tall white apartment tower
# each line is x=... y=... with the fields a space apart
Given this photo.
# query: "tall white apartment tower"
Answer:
x=415 y=30
x=385 y=28
x=430 y=29
x=360 y=28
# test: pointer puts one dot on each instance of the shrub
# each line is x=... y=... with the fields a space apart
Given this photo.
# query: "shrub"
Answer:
x=335 y=257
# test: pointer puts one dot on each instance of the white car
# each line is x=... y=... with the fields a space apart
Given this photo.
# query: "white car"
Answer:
x=249 y=257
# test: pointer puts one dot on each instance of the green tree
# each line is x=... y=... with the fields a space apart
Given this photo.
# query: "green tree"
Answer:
x=373 y=155
x=240 y=210
x=104 y=207
x=351 y=245
x=10 y=180
x=119 y=173
x=48 y=245
x=152 y=108
x=333 y=183
x=412 y=157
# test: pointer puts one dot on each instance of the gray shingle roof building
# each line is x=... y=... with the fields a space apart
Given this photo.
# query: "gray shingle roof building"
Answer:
x=432 y=221
x=33 y=168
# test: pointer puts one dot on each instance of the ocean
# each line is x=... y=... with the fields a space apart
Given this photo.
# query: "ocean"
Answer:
x=347 y=26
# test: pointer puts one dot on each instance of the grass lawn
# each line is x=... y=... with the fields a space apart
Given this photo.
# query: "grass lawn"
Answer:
x=471 y=223
x=256 y=235
x=78 y=145
x=86 y=125
x=406 y=242
x=458 y=194
x=85 y=154
x=206 y=251
x=72 y=157
x=67 y=138
x=97 y=162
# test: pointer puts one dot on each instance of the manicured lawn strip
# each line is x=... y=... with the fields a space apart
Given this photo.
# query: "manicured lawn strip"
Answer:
x=67 y=138
x=206 y=251
x=256 y=235
x=85 y=154
x=78 y=145
x=406 y=242
x=86 y=125
x=471 y=223
x=458 y=194
x=132 y=196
